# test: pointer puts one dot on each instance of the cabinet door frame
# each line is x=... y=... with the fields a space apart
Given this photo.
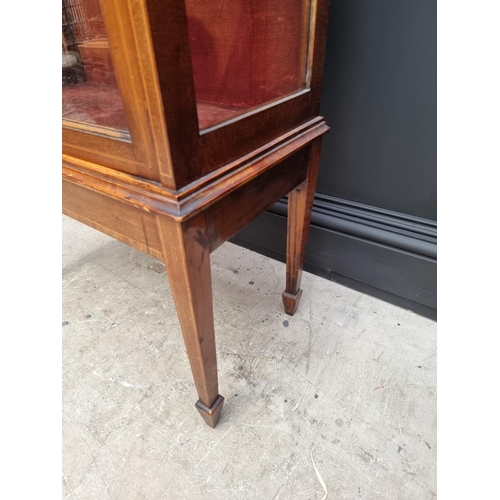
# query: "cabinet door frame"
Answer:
x=150 y=50
x=196 y=153
x=143 y=150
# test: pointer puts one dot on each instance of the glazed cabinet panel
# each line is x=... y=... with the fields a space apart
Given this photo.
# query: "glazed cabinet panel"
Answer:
x=111 y=103
x=246 y=54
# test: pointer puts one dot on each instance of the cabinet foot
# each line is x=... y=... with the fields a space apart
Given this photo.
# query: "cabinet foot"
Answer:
x=291 y=302
x=211 y=415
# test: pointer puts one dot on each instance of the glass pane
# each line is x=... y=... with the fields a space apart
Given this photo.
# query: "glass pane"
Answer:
x=89 y=90
x=246 y=53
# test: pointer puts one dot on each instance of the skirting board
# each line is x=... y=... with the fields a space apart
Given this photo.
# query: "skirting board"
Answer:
x=388 y=255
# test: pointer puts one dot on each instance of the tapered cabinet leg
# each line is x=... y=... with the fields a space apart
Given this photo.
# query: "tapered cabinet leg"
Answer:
x=300 y=202
x=186 y=252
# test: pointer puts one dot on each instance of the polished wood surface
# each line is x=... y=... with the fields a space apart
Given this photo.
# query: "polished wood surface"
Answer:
x=186 y=251
x=300 y=202
x=178 y=193
x=131 y=225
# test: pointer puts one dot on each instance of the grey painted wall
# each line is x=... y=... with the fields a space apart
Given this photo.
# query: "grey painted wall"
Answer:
x=379 y=98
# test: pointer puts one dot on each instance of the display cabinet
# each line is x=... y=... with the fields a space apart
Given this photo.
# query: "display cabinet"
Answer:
x=183 y=120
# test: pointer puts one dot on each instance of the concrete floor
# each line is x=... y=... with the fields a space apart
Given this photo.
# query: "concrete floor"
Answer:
x=349 y=379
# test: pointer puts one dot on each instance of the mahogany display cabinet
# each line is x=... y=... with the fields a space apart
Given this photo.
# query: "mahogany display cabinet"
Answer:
x=183 y=120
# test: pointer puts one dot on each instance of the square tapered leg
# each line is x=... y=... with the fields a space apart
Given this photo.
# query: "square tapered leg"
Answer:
x=187 y=257
x=300 y=202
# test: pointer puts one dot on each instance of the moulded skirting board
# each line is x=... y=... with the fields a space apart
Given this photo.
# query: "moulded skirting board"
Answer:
x=386 y=254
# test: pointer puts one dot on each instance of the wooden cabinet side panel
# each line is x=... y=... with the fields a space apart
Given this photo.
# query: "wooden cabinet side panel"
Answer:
x=126 y=223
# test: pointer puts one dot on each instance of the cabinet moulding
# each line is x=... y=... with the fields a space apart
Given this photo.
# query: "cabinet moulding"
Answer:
x=182 y=204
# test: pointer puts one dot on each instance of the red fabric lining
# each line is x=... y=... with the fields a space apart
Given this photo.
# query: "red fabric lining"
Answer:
x=95 y=104
x=102 y=105
x=246 y=52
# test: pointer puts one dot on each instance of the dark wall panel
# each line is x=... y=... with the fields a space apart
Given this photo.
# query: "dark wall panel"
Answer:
x=379 y=98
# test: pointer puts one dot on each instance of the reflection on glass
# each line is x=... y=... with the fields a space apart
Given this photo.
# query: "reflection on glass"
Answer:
x=246 y=53
x=89 y=89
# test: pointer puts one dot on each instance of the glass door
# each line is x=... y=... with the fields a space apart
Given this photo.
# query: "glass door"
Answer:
x=111 y=105
x=90 y=92
x=246 y=54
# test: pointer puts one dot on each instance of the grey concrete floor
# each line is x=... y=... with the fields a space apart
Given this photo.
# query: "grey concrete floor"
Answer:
x=349 y=380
